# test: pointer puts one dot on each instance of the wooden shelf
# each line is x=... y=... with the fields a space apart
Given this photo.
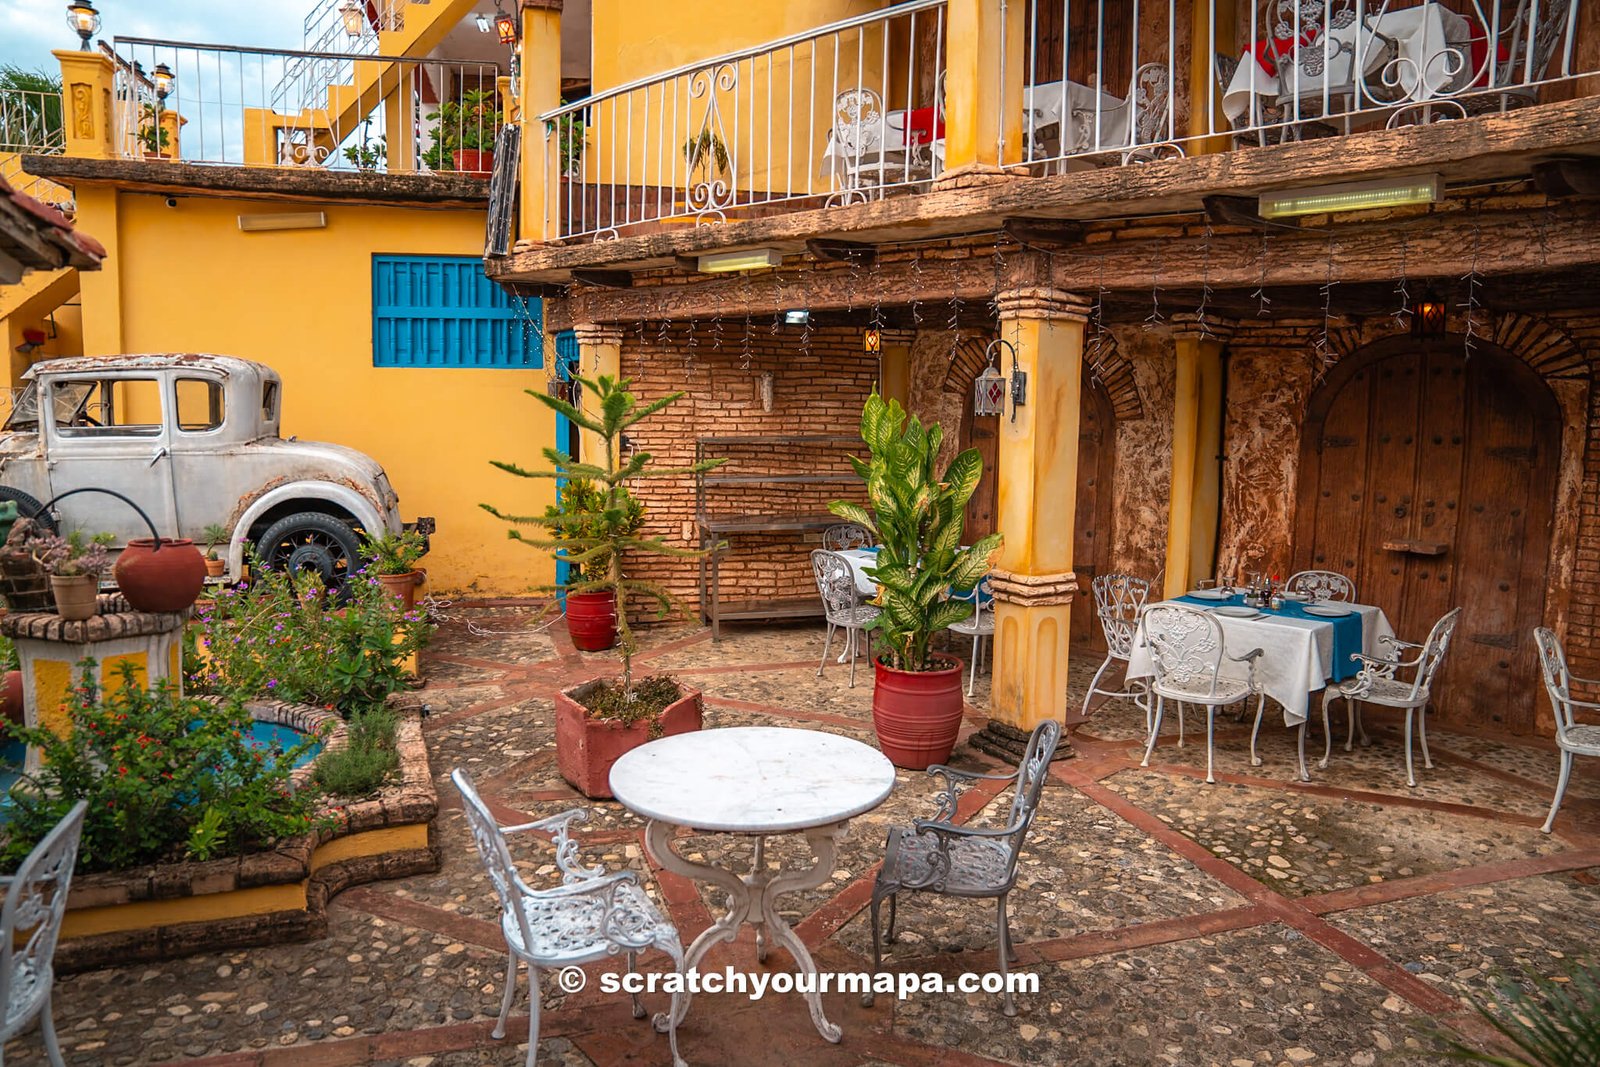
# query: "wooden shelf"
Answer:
x=780 y=439
x=798 y=608
x=712 y=480
x=720 y=524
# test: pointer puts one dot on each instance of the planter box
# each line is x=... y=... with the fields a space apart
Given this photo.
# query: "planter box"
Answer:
x=586 y=748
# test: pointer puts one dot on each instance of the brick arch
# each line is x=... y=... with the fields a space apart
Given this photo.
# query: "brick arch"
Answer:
x=1109 y=367
x=1545 y=347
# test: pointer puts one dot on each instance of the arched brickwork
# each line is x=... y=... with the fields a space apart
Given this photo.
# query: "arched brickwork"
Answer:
x=1111 y=370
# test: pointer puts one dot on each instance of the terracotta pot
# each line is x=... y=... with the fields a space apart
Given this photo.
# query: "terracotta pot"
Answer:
x=477 y=162
x=167 y=579
x=592 y=620
x=403 y=586
x=76 y=595
x=586 y=748
x=11 y=700
x=216 y=568
x=917 y=714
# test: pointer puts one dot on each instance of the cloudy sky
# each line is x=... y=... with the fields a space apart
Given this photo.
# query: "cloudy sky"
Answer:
x=29 y=29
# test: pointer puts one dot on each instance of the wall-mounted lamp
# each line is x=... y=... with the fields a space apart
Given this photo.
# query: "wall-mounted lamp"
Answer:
x=872 y=341
x=288 y=220
x=796 y=317
x=1350 y=196
x=84 y=20
x=748 y=259
x=1428 y=315
x=483 y=21
x=31 y=339
x=991 y=388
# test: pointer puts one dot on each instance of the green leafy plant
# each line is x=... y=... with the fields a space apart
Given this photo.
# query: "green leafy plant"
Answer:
x=472 y=122
x=579 y=514
x=75 y=555
x=597 y=543
x=368 y=760
x=214 y=535
x=393 y=553
x=30 y=110
x=368 y=155
x=706 y=150
x=152 y=135
x=165 y=776
x=1557 y=1024
x=916 y=517
x=569 y=130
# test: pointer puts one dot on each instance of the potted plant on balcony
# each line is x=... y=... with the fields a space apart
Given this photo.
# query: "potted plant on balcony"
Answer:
x=464 y=134
x=916 y=515
x=152 y=135
x=75 y=564
x=393 y=557
x=214 y=536
x=600 y=719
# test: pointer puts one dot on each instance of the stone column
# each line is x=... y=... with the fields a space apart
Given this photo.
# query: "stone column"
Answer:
x=89 y=129
x=1196 y=497
x=983 y=89
x=599 y=352
x=1038 y=473
x=540 y=92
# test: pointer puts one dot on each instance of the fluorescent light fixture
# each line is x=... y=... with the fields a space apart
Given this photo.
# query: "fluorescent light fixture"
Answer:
x=797 y=317
x=750 y=259
x=1351 y=196
x=289 y=220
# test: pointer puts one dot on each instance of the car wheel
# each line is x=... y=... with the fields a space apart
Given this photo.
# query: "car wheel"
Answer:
x=311 y=541
x=28 y=507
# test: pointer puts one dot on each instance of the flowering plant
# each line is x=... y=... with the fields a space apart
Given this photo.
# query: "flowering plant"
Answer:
x=72 y=556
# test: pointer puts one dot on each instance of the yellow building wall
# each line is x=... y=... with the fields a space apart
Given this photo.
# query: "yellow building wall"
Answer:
x=188 y=280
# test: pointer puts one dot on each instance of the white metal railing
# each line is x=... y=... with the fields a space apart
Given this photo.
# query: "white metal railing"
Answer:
x=843 y=112
x=390 y=113
x=329 y=45
x=31 y=124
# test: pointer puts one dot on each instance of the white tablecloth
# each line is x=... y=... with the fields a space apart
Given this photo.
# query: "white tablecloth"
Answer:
x=1433 y=54
x=896 y=167
x=860 y=559
x=1297 y=654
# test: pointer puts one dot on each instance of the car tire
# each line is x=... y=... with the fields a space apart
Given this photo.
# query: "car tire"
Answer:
x=311 y=541
x=28 y=507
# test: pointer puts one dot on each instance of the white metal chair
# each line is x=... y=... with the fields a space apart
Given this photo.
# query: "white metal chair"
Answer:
x=1525 y=53
x=841 y=605
x=30 y=924
x=845 y=535
x=1573 y=738
x=1321 y=585
x=1193 y=666
x=1118 y=599
x=1376 y=684
x=978 y=625
x=590 y=916
x=938 y=856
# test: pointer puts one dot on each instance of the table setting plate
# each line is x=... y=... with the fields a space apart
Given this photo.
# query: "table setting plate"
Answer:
x=1235 y=611
x=1296 y=597
x=1209 y=594
x=1327 y=611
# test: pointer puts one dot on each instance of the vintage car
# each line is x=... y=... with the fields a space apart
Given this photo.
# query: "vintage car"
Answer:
x=193 y=440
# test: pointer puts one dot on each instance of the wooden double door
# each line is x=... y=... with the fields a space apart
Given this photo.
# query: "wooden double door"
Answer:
x=1429 y=478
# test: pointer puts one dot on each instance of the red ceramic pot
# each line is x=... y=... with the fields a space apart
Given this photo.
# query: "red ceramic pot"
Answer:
x=586 y=748
x=592 y=620
x=167 y=579
x=474 y=161
x=917 y=714
x=11 y=698
x=403 y=586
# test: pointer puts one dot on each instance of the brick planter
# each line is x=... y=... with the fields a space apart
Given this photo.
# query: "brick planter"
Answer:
x=174 y=909
x=586 y=748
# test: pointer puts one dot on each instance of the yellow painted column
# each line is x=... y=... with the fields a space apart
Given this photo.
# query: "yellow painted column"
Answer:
x=894 y=366
x=89 y=128
x=599 y=352
x=540 y=92
x=1038 y=473
x=1212 y=31
x=173 y=123
x=986 y=62
x=86 y=94
x=1196 y=497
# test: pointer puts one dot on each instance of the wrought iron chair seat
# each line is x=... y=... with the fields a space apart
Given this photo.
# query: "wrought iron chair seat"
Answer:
x=857 y=616
x=978 y=866
x=1582 y=739
x=1389 y=692
x=30 y=924
x=1573 y=738
x=576 y=928
x=1227 y=690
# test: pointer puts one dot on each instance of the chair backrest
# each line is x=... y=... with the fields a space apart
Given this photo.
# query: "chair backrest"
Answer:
x=1309 y=17
x=1520 y=45
x=1118 y=600
x=1031 y=774
x=1433 y=652
x=1557 y=678
x=1186 y=647
x=1225 y=67
x=30 y=923
x=508 y=885
x=1322 y=585
x=836 y=584
x=858 y=122
x=845 y=535
x=1151 y=97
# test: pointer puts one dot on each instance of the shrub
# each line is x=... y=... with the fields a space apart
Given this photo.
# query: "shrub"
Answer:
x=288 y=638
x=394 y=553
x=366 y=762
x=166 y=776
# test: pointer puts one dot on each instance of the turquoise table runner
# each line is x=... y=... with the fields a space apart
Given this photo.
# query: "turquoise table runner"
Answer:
x=1346 y=630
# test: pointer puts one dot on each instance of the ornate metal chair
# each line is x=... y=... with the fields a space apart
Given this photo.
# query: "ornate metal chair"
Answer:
x=1524 y=52
x=1192 y=666
x=1573 y=738
x=30 y=923
x=1376 y=684
x=860 y=126
x=1118 y=599
x=591 y=916
x=1322 y=585
x=937 y=856
x=841 y=605
x=978 y=625
x=845 y=535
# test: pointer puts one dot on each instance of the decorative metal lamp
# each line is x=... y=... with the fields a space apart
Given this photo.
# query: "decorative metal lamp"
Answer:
x=505 y=27
x=354 y=19
x=872 y=341
x=84 y=20
x=989 y=391
x=1428 y=315
x=162 y=77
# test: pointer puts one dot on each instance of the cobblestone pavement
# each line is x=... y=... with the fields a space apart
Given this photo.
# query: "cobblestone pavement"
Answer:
x=1254 y=923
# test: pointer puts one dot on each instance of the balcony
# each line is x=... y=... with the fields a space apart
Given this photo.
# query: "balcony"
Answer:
x=944 y=92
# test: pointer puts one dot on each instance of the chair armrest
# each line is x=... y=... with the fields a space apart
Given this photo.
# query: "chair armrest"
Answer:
x=1571 y=703
x=559 y=827
x=951 y=795
x=552 y=824
x=1249 y=657
x=937 y=826
x=1395 y=643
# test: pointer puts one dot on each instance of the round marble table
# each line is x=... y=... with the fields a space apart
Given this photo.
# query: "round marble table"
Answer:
x=755 y=781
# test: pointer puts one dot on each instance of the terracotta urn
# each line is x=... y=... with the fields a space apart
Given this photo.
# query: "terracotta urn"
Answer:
x=592 y=620
x=917 y=714
x=164 y=579
x=586 y=748
x=11 y=699
x=402 y=586
x=76 y=595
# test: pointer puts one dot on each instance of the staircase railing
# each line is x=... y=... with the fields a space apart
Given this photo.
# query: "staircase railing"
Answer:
x=31 y=124
x=326 y=32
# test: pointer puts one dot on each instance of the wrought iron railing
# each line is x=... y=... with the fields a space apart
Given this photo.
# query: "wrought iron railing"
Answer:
x=843 y=112
x=31 y=124
x=330 y=47
x=391 y=113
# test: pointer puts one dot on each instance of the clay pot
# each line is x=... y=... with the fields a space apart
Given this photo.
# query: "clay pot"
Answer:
x=917 y=714
x=592 y=620
x=11 y=698
x=216 y=568
x=402 y=586
x=167 y=579
x=586 y=748
x=474 y=161
x=76 y=595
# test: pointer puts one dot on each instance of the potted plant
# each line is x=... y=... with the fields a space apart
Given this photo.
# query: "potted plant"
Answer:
x=706 y=152
x=215 y=535
x=368 y=156
x=394 y=557
x=916 y=517
x=152 y=135
x=75 y=564
x=569 y=129
x=464 y=134
x=599 y=720
x=577 y=516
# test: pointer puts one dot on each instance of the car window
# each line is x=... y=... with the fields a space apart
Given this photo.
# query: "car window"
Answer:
x=107 y=407
x=70 y=398
x=269 y=401
x=199 y=404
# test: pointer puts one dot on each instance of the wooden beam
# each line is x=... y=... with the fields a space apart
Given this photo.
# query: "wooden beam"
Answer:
x=1568 y=176
x=833 y=251
x=1243 y=211
x=1052 y=233
x=604 y=279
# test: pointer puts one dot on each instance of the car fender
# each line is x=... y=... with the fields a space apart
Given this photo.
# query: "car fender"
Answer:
x=356 y=503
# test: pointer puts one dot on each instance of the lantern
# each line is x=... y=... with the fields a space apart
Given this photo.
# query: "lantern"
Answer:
x=505 y=26
x=84 y=20
x=162 y=77
x=872 y=341
x=1428 y=315
x=989 y=391
x=353 y=18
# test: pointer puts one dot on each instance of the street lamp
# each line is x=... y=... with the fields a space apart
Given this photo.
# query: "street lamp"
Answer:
x=84 y=20
x=163 y=78
x=353 y=17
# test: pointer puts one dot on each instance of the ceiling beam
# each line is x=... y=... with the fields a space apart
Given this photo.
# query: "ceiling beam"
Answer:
x=1053 y=233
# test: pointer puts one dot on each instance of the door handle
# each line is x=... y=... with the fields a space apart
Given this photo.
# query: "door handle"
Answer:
x=161 y=454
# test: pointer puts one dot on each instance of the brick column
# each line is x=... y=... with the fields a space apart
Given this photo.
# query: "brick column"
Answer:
x=1196 y=499
x=1038 y=474
x=540 y=92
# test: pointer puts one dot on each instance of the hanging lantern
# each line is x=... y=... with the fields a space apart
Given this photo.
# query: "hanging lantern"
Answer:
x=872 y=341
x=989 y=391
x=505 y=26
x=1428 y=315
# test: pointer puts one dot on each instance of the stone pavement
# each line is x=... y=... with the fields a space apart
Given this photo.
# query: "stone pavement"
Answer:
x=1259 y=921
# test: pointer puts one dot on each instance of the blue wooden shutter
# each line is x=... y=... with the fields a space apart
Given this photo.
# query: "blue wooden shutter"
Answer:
x=441 y=311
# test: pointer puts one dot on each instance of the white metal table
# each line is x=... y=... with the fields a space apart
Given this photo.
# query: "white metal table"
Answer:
x=754 y=781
